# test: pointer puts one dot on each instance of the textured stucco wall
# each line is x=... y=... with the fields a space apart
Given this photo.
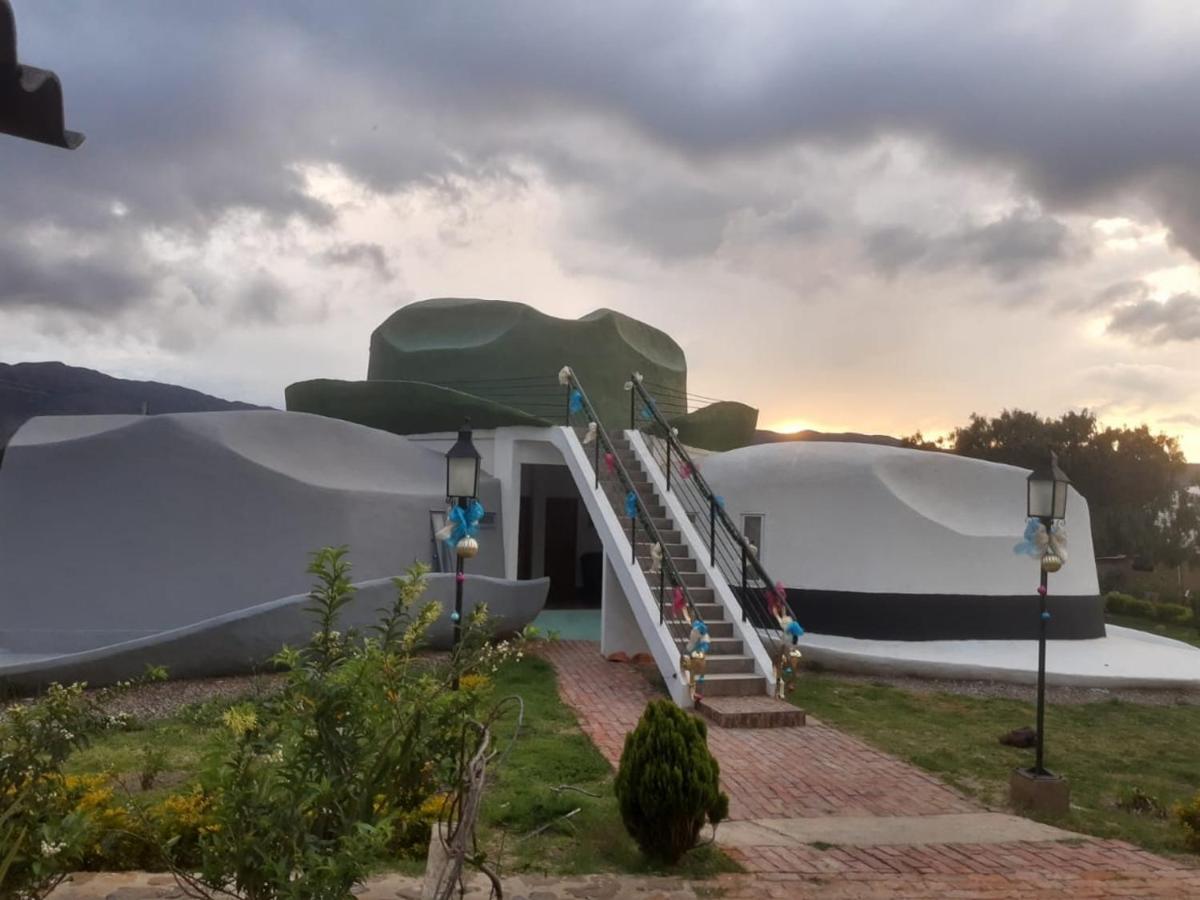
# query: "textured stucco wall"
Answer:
x=114 y=528
x=859 y=517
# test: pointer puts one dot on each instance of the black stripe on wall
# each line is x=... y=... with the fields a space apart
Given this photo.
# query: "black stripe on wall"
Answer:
x=944 y=617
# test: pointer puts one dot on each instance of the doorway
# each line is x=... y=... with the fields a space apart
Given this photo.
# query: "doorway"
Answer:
x=560 y=551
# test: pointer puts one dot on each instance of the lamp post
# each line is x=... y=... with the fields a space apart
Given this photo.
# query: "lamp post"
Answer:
x=1046 y=496
x=1046 y=501
x=462 y=487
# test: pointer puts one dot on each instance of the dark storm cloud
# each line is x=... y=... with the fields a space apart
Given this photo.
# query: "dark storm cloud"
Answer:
x=360 y=254
x=90 y=284
x=193 y=110
x=1008 y=248
x=1176 y=319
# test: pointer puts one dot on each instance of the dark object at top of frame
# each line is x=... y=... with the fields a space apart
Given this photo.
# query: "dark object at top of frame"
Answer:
x=31 y=101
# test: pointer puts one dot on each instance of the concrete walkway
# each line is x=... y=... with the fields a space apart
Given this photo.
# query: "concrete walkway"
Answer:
x=817 y=813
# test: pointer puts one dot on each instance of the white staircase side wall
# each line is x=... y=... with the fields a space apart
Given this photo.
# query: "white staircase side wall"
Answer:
x=631 y=579
x=744 y=630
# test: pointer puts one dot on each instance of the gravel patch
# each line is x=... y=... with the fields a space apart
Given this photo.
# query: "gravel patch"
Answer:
x=165 y=698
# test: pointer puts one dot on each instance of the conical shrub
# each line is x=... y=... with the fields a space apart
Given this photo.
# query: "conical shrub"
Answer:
x=668 y=782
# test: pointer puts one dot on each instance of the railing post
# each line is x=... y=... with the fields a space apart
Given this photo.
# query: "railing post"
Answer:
x=712 y=530
x=668 y=460
x=742 y=599
x=661 y=588
x=568 y=422
x=633 y=537
x=632 y=392
x=597 y=443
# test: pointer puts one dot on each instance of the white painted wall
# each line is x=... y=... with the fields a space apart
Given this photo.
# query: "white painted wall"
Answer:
x=861 y=517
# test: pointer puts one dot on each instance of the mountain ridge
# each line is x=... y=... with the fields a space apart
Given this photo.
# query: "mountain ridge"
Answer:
x=31 y=389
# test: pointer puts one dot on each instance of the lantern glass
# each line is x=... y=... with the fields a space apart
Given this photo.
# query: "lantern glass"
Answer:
x=1041 y=498
x=462 y=467
x=1060 y=499
x=1047 y=487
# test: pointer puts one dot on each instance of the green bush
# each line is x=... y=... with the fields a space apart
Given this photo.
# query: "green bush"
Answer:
x=1118 y=603
x=344 y=767
x=1175 y=613
x=1188 y=816
x=668 y=782
x=1126 y=605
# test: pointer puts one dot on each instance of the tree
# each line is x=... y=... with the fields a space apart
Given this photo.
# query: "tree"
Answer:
x=1134 y=481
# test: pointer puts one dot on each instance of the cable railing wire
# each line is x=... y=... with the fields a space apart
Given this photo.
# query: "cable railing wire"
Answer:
x=582 y=415
x=729 y=550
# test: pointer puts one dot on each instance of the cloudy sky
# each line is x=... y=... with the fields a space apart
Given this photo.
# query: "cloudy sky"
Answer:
x=872 y=216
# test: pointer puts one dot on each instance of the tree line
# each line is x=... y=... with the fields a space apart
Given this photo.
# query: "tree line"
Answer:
x=1136 y=482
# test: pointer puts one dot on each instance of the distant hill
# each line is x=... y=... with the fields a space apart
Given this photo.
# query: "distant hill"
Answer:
x=54 y=388
x=844 y=437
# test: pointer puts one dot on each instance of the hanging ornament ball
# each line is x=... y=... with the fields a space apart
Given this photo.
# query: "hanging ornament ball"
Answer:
x=467 y=547
x=1051 y=562
x=1045 y=617
x=454 y=617
x=1042 y=589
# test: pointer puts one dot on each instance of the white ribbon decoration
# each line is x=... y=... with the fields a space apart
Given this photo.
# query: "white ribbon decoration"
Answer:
x=656 y=558
x=564 y=375
x=591 y=433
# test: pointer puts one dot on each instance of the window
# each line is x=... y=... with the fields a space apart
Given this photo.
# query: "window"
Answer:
x=753 y=525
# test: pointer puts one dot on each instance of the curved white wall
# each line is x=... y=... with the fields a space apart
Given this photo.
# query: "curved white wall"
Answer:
x=868 y=518
x=118 y=527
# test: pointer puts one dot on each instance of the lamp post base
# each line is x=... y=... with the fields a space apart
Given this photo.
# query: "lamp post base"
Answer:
x=1046 y=794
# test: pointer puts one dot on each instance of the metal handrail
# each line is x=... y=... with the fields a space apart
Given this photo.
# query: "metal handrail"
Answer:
x=668 y=566
x=717 y=512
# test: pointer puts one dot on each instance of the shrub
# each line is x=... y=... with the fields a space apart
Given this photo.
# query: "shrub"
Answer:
x=1126 y=605
x=314 y=786
x=1117 y=603
x=1138 y=801
x=668 y=782
x=1175 y=613
x=1188 y=816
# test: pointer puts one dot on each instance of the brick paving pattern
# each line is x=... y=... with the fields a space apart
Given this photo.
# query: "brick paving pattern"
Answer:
x=818 y=771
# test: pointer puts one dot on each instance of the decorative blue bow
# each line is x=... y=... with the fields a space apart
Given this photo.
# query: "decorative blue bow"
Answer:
x=699 y=636
x=631 y=504
x=575 y=403
x=795 y=632
x=1028 y=545
x=647 y=413
x=719 y=500
x=465 y=522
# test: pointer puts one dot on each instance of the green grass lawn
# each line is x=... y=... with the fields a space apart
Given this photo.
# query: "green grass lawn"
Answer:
x=550 y=752
x=1186 y=633
x=1105 y=749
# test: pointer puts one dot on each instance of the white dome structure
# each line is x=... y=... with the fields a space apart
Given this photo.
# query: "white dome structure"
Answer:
x=116 y=531
x=903 y=561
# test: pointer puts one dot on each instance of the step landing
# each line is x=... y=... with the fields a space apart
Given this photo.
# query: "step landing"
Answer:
x=750 y=712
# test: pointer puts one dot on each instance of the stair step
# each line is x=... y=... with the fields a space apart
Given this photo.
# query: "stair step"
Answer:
x=718 y=629
x=750 y=712
x=693 y=579
x=733 y=685
x=730 y=664
x=681 y=565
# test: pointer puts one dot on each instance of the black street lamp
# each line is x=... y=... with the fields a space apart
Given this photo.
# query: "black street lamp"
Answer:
x=31 y=100
x=462 y=488
x=1046 y=501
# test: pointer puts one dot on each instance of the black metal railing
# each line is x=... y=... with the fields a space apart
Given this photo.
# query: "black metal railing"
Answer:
x=729 y=551
x=610 y=472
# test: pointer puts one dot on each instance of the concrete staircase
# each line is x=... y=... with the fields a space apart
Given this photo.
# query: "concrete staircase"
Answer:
x=730 y=671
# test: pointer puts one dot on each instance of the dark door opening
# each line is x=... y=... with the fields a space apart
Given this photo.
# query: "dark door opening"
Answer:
x=562 y=516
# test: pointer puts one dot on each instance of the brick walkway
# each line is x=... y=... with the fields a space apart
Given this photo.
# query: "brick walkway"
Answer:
x=818 y=771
